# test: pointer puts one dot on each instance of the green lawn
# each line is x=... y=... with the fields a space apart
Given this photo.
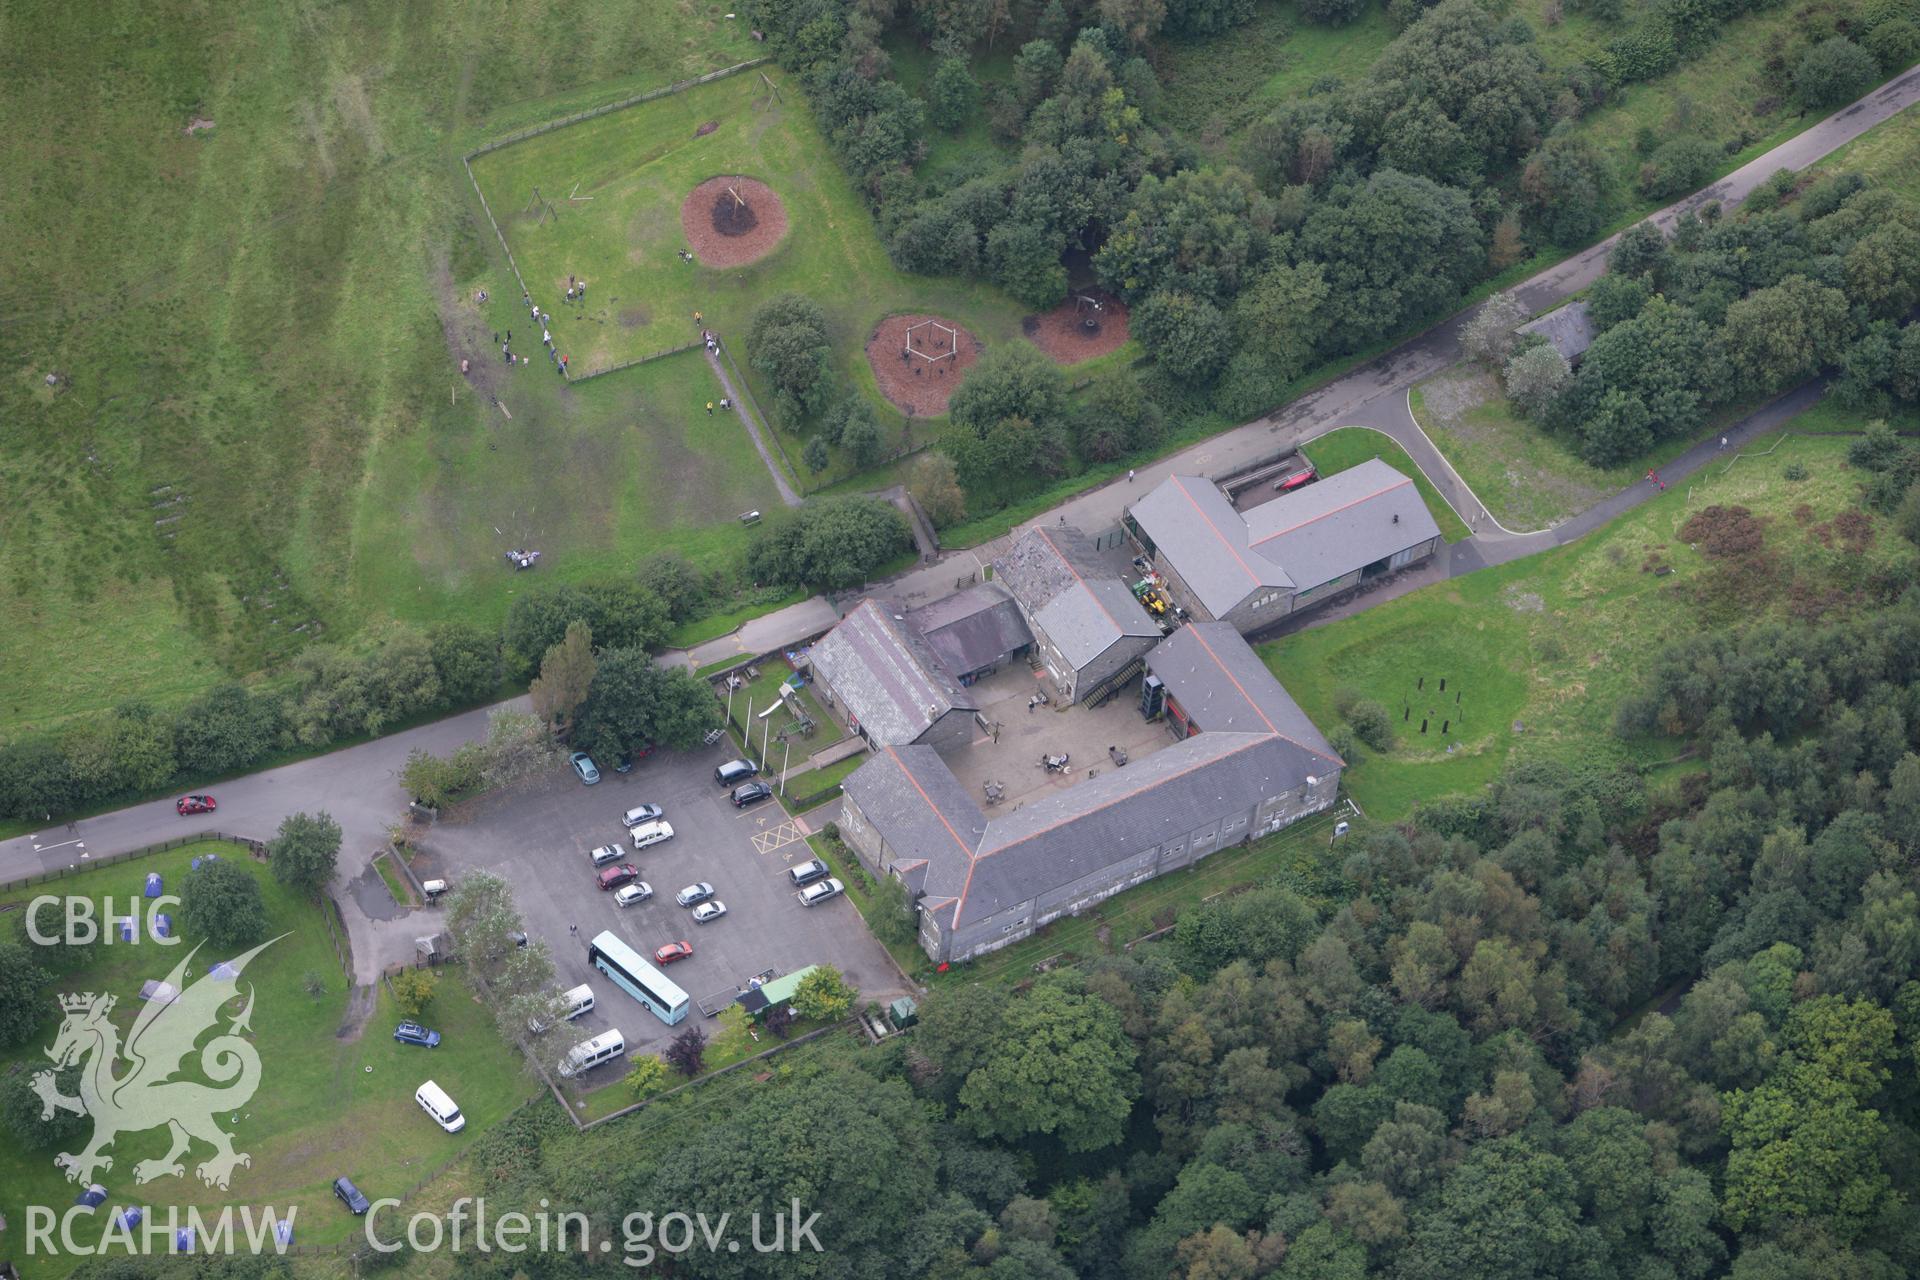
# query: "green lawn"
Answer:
x=755 y=696
x=1537 y=653
x=1888 y=153
x=1346 y=447
x=325 y=1106
x=638 y=166
x=596 y=475
x=391 y=878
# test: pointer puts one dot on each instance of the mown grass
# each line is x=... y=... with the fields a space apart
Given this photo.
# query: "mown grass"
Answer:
x=1540 y=651
x=325 y=1106
x=1888 y=153
x=1346 y=447
x=639 y=165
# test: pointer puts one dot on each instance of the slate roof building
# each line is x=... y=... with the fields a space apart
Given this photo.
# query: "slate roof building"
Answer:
x=1254 y=567
x=885 y=678
x=1088 y=630
x=1247 y=762
x=1568 y=328
x=973 y=632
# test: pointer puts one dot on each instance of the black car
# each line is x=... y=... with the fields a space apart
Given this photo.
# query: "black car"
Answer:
x=350 y=1195
x=750 y=793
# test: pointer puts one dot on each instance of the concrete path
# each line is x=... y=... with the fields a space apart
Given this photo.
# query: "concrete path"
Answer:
x=787 y=495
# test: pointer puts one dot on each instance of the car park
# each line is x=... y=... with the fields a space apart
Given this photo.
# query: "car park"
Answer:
x=751 y=793
x=350 y=1195
x=807 y=872
x=735 y=772
x=607 y=853
x=187 y=805
x=629 y=894
x=414 y=1033
x=615 y=876
x=673 y=951
x=584 y=766
x=709 y=911
x=648 y=834
x=642 y=813
x=694 y=893
x=815 y=894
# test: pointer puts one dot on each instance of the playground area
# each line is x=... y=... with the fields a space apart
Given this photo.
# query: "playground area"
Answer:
x=918 y=361
x=731 y=221
x=1090 y=323
x=774 y=709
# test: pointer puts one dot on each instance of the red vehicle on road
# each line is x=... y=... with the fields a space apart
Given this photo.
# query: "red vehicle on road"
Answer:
x=186 y=805
x=673 y=951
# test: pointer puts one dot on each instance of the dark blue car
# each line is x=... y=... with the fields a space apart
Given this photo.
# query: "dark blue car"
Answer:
x=414 y=1033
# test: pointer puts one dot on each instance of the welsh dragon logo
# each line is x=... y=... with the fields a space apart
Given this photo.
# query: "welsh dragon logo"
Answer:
x=150 y=1094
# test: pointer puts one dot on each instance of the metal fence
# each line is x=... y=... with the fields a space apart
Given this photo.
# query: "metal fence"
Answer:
x=255 y=847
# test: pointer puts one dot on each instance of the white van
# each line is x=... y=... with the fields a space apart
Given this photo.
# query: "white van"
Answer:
x=651 y=833
x=433 y=889
x=589 y=1054
x=434 y=1101
x=573 y=1004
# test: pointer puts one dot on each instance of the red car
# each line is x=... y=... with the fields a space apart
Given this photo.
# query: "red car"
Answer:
x=673 y=951
x=194 y=804
x=615 y=876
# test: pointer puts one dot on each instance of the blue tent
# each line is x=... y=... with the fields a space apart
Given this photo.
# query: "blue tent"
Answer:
x=163 y=925
x=205 y=857
x=283 y=1231
x=93 y=1197
x=153 y=884
x=222 y=971
x=130 y=1218
x=183 y=1240
x=126 y=924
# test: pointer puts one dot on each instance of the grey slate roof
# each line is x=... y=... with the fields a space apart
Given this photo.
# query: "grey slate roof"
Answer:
x=973 y=628
x=1341 y=523
x=1568 y=328
x=970 y=865
x=1224 y=687
x=1081 y=606
x=886 y=675
x=1196 y=531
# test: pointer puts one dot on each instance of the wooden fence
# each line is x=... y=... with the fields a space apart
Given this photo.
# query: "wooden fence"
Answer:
x=255 y=847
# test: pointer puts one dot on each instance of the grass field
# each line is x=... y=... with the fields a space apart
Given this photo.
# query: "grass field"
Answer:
x=1541 y=650
x=1347 y=447
x=638 y=166
x=1527 y=477
x=325 y=1106
x=1888 y=153
x=254 y=320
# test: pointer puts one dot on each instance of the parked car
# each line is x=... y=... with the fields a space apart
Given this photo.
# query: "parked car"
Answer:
x=673 y=951
x=814 y=894
x=194 y=804
x=615 y=876
x=414 y=1033
x=751 y=793
x=708 y=912
x=638 y=891
x=807 y=872
x=607 y=853
x=735 y=772
x=350 y=1195
x=694 y=893
x=584 y=766
x=641 y=813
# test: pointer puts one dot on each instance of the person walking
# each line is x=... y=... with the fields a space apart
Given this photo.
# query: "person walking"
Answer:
x=1129 y=475
x=1723 y=442
x=709 y=408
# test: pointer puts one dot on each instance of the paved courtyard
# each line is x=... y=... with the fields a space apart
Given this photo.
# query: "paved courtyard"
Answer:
x=539 y=835
x=1011 y=758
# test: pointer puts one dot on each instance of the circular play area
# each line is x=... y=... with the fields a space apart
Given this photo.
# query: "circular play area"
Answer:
x=919 y=360
x=731 y=221
x=1089 y=323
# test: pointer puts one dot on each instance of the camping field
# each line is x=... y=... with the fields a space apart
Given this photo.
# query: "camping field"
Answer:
x=330 y=1101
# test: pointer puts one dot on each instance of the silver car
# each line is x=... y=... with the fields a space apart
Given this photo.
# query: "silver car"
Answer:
x=708 y=911
x=694 y=893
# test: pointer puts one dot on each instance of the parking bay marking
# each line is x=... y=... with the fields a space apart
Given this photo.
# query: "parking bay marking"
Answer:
x=776 y=838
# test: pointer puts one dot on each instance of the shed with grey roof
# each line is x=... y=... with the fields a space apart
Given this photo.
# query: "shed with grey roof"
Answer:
x=1089 y=631
x=1568 y=329
x=885 y=678
x=973 y=631
x=1254 y=567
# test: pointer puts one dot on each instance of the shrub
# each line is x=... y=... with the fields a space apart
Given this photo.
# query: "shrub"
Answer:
x=413 y=990
x=1678 y=167
x=1834 y=72
x=1372 y=723
x=1794 y=471
x=788 y=338
x=221 y=902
